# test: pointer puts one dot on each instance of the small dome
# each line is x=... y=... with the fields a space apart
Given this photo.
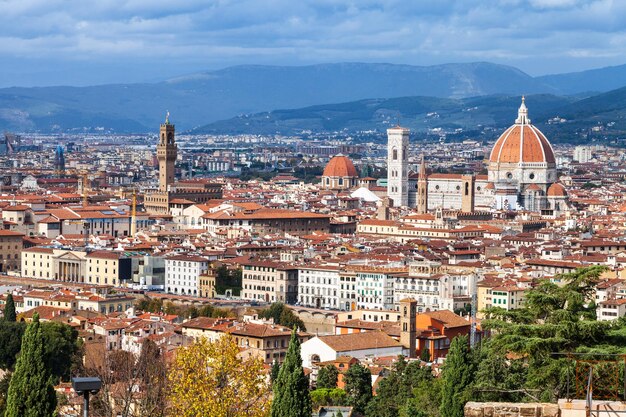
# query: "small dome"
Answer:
x=522 y=142
x=340 y=166
x=533 y=187
x=557 y=190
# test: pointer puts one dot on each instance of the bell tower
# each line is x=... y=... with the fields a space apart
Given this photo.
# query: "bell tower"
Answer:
x=467 y=199
x=398 y=166
x=408 y=327
x=422 y=189
x=167 y=151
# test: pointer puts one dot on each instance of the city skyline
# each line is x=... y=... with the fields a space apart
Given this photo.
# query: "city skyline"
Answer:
x=68 y=43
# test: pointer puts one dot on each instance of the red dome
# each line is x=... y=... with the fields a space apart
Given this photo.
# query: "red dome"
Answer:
x=340 y=166
x=557 y=190
x=522 y=142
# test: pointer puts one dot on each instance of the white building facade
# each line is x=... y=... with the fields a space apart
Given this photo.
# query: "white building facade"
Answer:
x=182 y=273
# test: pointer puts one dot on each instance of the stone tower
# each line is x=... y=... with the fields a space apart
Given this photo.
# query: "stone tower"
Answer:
x=422 y=189
x=408 y=330
x=398 y=165
x=167 y=151
x=59 y=161
x=467 y=197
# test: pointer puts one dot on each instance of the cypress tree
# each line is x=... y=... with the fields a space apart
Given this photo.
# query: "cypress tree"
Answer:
x=291 y=388
x=9 y=309
x=456 y=376
x=274 y=372
x=31 y=393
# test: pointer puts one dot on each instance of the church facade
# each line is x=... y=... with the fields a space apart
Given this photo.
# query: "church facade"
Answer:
x=521 y=175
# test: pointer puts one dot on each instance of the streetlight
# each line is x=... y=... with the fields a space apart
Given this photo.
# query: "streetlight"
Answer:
x=85 y=385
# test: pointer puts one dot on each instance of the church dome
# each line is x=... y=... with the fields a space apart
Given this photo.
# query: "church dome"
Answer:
x=557 y=190
x=340 y=166
x=522 y=143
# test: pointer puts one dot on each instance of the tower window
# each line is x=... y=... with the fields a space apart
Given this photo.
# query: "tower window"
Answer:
x=395 y=154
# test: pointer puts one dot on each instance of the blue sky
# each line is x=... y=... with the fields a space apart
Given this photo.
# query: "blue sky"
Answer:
x=80 y=42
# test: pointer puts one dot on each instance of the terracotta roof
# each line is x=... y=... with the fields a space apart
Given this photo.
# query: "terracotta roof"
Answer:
x=340 y=166
x=359 y=341
x=522 y=143
x=557 y=190
x=448 y=318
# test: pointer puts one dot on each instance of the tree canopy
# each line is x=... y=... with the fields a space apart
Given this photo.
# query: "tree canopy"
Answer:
x=31 y=392
x=281 y=314
x=209 y=379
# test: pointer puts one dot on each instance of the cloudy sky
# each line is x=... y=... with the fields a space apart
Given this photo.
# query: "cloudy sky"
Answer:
x=79 y=42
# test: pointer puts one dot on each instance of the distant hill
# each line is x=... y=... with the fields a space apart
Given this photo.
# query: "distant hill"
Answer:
x=417 y=113
x=199 y=99
x=601 y=79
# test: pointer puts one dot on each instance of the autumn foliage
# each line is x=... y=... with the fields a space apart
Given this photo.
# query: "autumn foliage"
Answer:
x=209 y=379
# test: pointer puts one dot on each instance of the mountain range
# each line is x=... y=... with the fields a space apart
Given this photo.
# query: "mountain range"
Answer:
x=197 y=101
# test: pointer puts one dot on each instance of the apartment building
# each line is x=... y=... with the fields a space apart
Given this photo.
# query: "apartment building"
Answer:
x=319 y=286
x=10 y=250
x=182 y=274
x=254 y=337
x=108 y=268
x=269 y=282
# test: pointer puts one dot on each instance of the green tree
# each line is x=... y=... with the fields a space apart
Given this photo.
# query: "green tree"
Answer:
x=412 y=408
x=291 y=388
x=10 y=342
x=31 y=392
x=274 y=371
x=328 y=396
x=425 y=355
x=327 y=377
x=456 y=376
x=4 y=389
x=358 y=386
x=62 y=352
x=282 y=315
x=398 y=387
x=9 y=309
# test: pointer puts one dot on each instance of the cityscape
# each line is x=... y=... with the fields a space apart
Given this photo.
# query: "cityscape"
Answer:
x=290 y=237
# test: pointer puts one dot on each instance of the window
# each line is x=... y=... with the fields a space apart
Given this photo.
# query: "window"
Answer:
x=395 y=154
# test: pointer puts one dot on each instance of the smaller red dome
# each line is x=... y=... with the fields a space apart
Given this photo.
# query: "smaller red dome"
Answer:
x=557 y=190
x=340 y=166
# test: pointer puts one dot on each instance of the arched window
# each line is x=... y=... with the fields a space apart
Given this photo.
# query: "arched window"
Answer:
x=395 y=154
x=467 y=188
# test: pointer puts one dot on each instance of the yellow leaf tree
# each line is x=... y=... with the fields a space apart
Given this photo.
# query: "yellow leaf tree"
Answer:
x=209 y=379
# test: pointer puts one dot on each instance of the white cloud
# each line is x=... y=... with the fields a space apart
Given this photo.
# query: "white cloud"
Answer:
x=537 y=35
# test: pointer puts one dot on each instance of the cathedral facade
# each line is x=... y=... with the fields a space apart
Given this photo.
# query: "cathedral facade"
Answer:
x=521 y=175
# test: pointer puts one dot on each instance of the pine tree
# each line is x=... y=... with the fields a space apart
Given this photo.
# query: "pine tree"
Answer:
x=31 y=393
x=457 y=375
x=358 y=382
x=9 y=309
x=291 y=388
x=327 y=377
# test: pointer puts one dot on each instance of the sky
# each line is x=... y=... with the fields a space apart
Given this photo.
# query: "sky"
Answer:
x=83 y=42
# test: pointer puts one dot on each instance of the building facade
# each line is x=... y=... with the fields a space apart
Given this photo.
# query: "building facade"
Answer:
x=269 y=282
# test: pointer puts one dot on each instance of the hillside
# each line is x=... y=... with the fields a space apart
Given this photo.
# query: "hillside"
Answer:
x=417 y=113
x=198 y=99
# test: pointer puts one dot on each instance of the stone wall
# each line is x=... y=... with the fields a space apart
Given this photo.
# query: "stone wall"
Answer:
x=474 y=409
